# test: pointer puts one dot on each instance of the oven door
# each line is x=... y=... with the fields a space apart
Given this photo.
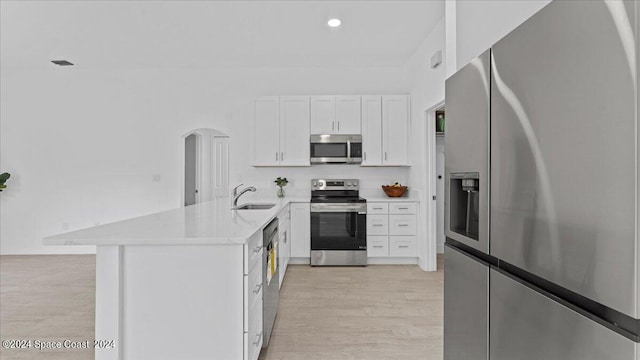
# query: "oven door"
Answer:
x=339 y=226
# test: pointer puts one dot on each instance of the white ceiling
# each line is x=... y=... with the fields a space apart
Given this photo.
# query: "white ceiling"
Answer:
x=204 y=34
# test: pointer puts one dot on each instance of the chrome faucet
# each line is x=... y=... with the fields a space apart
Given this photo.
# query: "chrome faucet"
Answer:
x=236 y=194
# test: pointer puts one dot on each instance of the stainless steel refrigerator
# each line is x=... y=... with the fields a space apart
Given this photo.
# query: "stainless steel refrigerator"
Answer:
x=542 y=200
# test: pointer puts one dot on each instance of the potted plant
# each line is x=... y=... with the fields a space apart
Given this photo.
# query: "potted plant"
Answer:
x=3 y=178
x=281 y=182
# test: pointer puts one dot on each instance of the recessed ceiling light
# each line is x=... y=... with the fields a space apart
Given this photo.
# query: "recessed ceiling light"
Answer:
x=62 y=62
x=334 y=22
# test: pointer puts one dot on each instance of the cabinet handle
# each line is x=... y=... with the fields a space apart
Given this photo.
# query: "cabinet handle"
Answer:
x=258 y=287
x=403 y=224
x=403 y=208
x=378 y=246
x=281 y=156
x=257 y=342
x=338 y=125
x=257 y=249
x=385 y=156
x=365 y=156
x=333 y=126
x=377 y=208
x=276 y=156
x=377 y=224
x=403 y=246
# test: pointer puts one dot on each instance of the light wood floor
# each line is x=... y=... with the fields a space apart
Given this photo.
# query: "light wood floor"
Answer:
x=376 y=312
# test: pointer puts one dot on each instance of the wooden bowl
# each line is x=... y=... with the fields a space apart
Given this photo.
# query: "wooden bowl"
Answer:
x=394 y=191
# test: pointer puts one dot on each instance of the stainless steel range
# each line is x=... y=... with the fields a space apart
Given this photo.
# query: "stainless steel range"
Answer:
x=338 y=223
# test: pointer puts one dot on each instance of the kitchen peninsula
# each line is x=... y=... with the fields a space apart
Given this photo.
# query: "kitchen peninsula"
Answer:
x=180 y=284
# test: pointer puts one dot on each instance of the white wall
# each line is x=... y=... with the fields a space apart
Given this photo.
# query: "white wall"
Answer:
x=83 y=144
x=481 y=23
x=426 y=86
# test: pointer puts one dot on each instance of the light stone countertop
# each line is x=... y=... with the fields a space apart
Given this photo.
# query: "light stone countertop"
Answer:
x=207 y=223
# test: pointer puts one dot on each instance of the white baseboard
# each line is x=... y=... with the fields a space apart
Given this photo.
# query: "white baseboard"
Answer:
x=392 y=261
x=370 y=261
x=300 y=261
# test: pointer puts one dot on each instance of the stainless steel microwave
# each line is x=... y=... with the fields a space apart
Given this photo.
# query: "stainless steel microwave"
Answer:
x=336 y=149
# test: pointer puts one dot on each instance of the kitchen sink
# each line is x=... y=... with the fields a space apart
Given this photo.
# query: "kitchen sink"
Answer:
x=253 y=207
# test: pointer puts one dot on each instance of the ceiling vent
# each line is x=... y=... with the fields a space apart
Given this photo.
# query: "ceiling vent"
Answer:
x=62 y=62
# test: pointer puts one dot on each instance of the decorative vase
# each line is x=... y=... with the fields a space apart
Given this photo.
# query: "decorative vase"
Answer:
x=281 y=193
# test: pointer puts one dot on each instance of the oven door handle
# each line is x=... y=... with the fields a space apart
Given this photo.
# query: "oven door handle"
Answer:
x=319 y=208
x=348 y=150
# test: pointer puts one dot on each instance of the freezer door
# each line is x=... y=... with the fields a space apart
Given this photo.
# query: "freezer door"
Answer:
x=467 y=149
x=563 y=152
x=526 y=325
x=466 y=287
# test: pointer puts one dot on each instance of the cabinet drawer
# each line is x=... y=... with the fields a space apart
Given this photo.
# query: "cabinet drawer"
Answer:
x=252 y=251
x=253 y=337
x=403 y=208
x=402 y=246
x=402 y=225
x=377 y=246
x=374 y=208
x=377 y=224
x=252 y=291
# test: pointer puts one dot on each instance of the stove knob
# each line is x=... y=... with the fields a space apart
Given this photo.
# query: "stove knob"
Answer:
x=315 y=184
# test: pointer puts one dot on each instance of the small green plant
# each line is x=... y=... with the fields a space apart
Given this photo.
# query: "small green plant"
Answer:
x=5 y=176
x=281 y=182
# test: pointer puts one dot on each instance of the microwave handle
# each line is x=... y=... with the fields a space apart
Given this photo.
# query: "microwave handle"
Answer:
x=348 y=150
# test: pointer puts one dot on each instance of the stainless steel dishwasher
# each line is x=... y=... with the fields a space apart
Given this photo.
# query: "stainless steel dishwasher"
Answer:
x=270 y=277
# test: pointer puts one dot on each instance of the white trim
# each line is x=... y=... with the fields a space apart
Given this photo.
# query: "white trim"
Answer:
x=429 y=262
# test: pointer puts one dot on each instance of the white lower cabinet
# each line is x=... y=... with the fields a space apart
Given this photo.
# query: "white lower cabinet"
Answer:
x=401 y=246
x=377 y=225
x=392 y=229
x=284 y=245
x=300 y=230
x=377 y=246
x=253 y=289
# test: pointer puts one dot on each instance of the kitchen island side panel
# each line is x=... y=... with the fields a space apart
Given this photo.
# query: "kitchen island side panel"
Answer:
x=182 y=302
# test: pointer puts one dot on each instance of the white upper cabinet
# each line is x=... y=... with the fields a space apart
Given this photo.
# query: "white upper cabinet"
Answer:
x=266 y=131
x=294 y=131
x=280 y=131
x=282 y=125
x=395 y=130
x=348 y=117
x=335 y=114
x=323 y=115
x=371 y=130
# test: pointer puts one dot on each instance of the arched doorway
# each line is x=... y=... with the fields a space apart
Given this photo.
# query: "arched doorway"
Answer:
x=205 y=166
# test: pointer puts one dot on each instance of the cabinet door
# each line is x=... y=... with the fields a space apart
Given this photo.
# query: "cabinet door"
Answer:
x=395 y=130
x=294 y=131
x=300 y=230
x=348 y=115
x=323 y=115
x=371 y=130
x=266 y=131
